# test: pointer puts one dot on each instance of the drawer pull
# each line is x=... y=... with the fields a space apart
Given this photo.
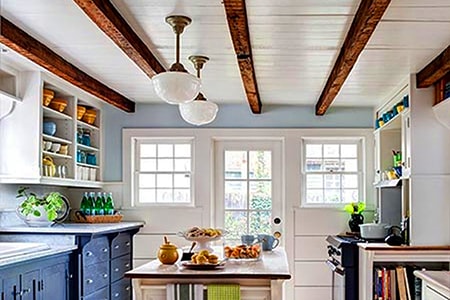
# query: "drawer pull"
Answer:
x=105 y=275
x=116 y=270
x=105 y=250
x=116 y=247
x=127 y=288
x=26 y=291
x=128 y=244
x=116 y=295
x=89 y=253
x=89 y=281
x=127 y=265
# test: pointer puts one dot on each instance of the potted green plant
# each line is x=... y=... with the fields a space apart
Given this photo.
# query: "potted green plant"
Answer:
x=41 y=211
x=355 y=209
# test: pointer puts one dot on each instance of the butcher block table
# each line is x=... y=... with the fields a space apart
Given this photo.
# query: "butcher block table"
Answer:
x=268 y=273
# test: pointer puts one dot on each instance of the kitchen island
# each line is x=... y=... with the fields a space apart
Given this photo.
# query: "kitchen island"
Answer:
x=265 y=276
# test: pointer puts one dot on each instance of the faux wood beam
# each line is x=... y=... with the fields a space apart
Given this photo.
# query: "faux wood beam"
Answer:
x=435 y=70
x=109 y=20
x=18 y=40
x=364 y=23
x=237 y=23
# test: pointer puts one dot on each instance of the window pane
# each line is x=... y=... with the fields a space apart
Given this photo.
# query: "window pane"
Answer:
x=147 y=195
x=165 y=150
x=314 y=164
x=332 y=196
x=314 y=196
x=314 y=181
x=349 y=150
x=330 y=150
x=165 y=164
x=332 y=165
x=182 y=180
x=260 y=164
x=182 y=195
x=235 y=195
x=261 y=195
x=260 y=222
x=147 y=165
x=182 y=150
x=313 y=150
x=164 y=195
x=147 y=180
x=164 y=180
x=350 y=195
x=349 y=165
x=235 y=224
x=350 y=181
x=148 y=150
x=235 y=164
x=332 y=181
x=182 y=165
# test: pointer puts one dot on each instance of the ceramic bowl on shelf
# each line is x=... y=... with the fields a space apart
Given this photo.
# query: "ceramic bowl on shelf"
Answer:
x=49 y=127
x=81 y=110
x=58 y=104
x=89 y=116
x=47 y=96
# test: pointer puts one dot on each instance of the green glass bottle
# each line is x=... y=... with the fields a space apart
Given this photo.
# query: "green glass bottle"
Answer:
x=99 y=209
x=85 y=206
x=91 y=201
x=109 y=205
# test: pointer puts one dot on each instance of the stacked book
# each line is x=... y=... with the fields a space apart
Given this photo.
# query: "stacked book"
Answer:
x=396 y=283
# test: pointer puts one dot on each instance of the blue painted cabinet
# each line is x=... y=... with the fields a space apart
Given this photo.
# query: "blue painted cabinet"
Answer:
x=38 y=279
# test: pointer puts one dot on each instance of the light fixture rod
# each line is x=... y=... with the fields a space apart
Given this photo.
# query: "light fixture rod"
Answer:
x=198 y=61
x=178 y=23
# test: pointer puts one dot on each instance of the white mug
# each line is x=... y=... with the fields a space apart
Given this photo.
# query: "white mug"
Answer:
x=56 y=147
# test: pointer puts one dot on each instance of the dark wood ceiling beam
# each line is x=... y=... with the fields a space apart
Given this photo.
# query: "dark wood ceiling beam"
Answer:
x=364 y=23
x=237 y=23
x=109 y=20
x=435 y=70
x=18 y=40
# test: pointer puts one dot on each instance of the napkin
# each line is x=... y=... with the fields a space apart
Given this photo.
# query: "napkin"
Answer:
x=223 y=292
x=184 y=291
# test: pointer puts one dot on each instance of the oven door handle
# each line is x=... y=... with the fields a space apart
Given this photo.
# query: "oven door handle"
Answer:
x=335 y=267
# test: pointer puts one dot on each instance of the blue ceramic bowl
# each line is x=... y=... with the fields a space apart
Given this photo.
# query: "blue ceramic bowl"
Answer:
x=49 y=128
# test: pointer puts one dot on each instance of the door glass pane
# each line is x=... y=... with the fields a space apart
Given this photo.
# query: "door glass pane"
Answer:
x=314 y=196
x=260 y=166
x=235 y=224
x=182 y=150
x=147 y=195
x=235 y=164
x=164 y=195
x=148 y=150
x=350 y=195
x=314 y=181
x=182 y=165
x=147 y=165
x=314 y=164
x=314 y=150
x=260 y=222
x=332 y=181
x=147 y=180
x=181 y=195
x=165 y=164
x=349 y=165
x=332 y=196
x=181 y=180
x=332 y=165
x=349 y=151
x=164 y=180
x=350 y=181
x=235 y=194
x=165 y=150
x=330 y=150
x=260 y=195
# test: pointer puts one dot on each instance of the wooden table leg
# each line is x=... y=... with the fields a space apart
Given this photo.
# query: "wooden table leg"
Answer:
x=276 y=289
x=137 y=289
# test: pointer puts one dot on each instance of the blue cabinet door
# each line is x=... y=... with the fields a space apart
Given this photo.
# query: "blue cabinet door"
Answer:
x=11 y=285
x=29 y=288
x=54 y=282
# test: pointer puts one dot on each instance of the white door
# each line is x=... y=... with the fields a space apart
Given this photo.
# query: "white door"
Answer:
x=248 y=194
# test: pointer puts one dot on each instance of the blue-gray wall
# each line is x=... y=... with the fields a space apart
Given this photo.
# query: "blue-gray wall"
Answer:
x=229 y=116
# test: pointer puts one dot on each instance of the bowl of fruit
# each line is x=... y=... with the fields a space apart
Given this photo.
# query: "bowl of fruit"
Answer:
x=203 y=237
x=243 y=252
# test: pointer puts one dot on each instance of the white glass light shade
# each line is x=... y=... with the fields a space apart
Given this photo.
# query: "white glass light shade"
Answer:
x=198 y=112
x=176 y=87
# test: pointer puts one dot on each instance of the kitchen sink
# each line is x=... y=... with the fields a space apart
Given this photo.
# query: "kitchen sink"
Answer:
x=9 y=249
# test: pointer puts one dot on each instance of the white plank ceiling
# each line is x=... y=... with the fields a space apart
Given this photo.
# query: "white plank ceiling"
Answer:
x=294 y=42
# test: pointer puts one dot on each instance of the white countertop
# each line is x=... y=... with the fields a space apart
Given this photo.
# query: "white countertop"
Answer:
x=438 y=280
x=74 y=228
x=53 y=250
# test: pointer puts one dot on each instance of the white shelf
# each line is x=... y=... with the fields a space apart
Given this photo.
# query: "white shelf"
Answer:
x=51 y=113
x=394 y=123
x=88 y=165
x=387 y=183
x=6 y=96
x=56 y=139
x=88 y=148
x=86 y=125
x=442 y=112
x=53 y=154
x=53 y=181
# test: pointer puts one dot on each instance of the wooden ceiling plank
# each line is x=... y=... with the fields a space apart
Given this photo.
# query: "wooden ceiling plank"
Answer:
x=435 y=70
x=238 y=25
x=109 y=20
x=18 y=40
x=364 y=23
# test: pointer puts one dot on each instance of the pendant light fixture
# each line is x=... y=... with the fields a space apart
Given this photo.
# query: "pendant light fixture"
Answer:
x=177 y=85
x=200 y=111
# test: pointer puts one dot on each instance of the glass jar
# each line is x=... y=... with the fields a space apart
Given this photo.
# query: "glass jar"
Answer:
x=80 y=135
x=91 y=159
x=81 y=156
x=86 y=140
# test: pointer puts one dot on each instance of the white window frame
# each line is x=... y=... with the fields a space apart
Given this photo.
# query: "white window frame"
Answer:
x=361 y=157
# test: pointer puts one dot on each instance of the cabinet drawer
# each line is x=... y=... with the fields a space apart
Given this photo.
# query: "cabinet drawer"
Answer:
x=100 y=295
x=121 y=290
x=121 y=245
x=95 y=277
x=119 y=266
x=96 y=251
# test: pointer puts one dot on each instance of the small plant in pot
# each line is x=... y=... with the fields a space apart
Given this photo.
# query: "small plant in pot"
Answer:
x=355 y=210
x=39 y=211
